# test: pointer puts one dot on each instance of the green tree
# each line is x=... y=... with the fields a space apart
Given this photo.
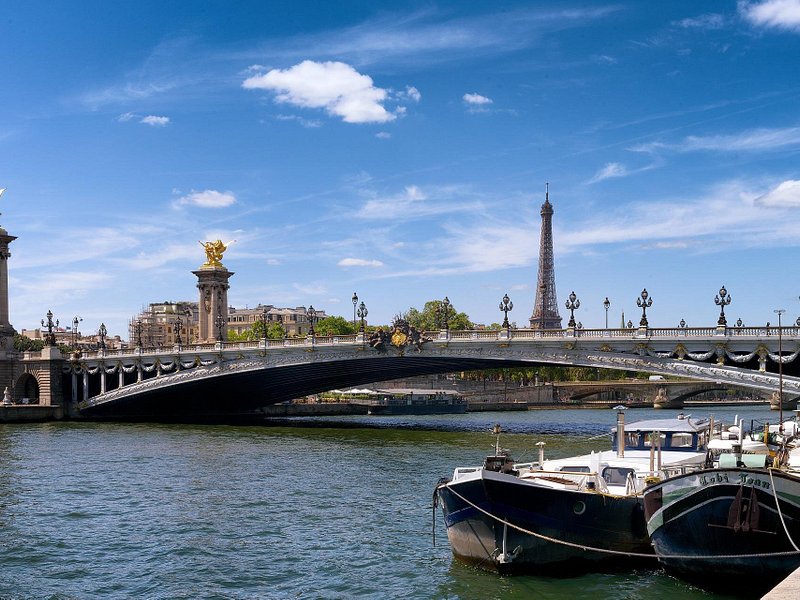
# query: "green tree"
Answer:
x=23 y=343
x=334 y=326
x=275 y=331
x=430 y=318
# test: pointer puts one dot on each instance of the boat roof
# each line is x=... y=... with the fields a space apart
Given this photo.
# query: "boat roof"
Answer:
x=637 y=459
x=674 y=425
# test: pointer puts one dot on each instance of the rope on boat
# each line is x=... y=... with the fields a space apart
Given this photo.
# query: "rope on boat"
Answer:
x=780 y=513
x=616 y=552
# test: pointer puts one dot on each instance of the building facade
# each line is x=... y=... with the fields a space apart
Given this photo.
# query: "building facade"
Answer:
x=171 y=323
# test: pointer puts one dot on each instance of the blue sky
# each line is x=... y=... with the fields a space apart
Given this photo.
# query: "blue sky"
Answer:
x=401 y=150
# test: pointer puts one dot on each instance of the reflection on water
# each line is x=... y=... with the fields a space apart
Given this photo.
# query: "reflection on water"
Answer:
x=333 y=509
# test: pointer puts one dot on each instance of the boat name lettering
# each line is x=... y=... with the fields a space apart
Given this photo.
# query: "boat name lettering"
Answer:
x=744 y=479
x=715 y=478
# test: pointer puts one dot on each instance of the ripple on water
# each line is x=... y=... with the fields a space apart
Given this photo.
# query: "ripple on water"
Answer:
x=157 y=511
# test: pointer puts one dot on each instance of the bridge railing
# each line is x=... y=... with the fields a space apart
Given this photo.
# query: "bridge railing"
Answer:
x=503 y=335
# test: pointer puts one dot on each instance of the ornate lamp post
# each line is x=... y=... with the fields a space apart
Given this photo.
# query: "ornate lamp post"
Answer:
x=779 y=312
x=606 y=305
x=188 y=315
x=102 y=333
x=506 y=305
x=75 y=322
x=682 y=324
x=138 y=333
x=264 y=317
x=362 y=314
x=722 y=301
x=311 y=314
x=220 y=323
x=739 y=322
x=355 y=301
x=50 y=338
x=644 y=302
x=443 y=314
x=572 y=304
x=178 y=324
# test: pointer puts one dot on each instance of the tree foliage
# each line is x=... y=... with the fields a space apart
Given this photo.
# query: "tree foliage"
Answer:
x=431 y=317
x=23 y=343
x=333 y=326
x=275 y=331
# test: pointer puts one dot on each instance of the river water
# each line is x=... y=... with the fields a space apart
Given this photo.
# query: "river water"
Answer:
x=317 y=508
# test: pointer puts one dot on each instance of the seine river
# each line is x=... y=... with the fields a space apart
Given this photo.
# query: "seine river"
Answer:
x=339 y=508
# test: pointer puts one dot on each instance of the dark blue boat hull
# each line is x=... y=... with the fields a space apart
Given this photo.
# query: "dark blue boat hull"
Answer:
x=584 y=518
x=721 y=529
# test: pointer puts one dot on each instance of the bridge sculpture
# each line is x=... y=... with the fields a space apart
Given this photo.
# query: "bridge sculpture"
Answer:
x=238 y=377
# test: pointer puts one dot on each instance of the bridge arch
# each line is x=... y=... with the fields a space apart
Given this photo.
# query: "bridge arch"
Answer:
x=27 y=387
x=240 y=377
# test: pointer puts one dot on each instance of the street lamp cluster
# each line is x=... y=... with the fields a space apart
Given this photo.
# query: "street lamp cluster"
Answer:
x=360 y=312
x=443 y=314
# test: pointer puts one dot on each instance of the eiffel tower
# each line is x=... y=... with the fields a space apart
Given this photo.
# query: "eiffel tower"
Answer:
x=545 y=310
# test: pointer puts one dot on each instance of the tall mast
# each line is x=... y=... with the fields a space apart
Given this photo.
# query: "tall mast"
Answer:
x=545 y=310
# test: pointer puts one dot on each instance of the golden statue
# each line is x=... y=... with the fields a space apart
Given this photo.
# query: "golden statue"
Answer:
x=214 y=252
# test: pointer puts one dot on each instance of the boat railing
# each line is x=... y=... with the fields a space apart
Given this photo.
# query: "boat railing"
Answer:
x=579 y=479
x=461 y=471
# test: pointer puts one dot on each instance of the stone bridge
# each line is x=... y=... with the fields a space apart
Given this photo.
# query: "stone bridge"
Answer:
x=235 y=378
x=659 y=394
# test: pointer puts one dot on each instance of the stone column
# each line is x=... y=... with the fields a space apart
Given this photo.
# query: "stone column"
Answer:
x=7 y=332
x=212 y=282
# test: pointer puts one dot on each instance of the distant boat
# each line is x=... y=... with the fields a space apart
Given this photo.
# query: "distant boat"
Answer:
x=571 y=515
x=405 y=401
x=739 y=521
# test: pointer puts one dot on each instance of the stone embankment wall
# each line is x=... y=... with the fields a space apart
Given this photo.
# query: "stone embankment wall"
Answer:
x=478 y=391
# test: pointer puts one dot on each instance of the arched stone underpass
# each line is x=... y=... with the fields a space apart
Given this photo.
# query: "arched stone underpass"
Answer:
x=240 y=393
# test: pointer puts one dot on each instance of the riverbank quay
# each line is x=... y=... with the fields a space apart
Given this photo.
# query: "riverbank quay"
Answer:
x=332 y=409
x=30 y=413
x=788 y=589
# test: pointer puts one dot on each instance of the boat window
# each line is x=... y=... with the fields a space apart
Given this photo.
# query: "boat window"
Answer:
x=631 y=439
x=682 y=440
x=616 y=475
x=649 y=438
x=575 y=469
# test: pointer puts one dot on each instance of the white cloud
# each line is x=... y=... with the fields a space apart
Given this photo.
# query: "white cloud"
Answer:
x=383 y=135
x=307 y=123
x=780 y=14
x=750 y=140
x=784 y=195
x=207 y=199
x=609 y=171
x=155 y=121
x=729 y=213
x=491 y=247
x=335 y=86
x=411 y=93
x=477 y=100
x=359 y=262
x=708 y=21
x=125 y=117
x=414 y=203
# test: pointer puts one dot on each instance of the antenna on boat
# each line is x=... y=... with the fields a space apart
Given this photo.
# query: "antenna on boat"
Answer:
x=780 y=311
x=496 y=431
